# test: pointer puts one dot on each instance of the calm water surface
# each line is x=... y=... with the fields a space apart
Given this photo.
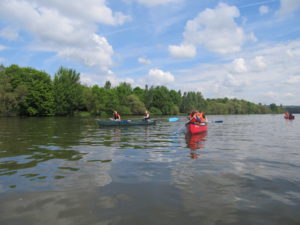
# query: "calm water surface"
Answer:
x=70 y=171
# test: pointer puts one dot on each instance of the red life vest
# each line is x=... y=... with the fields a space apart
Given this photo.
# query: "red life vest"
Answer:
x=117 y=116
x=198 y=118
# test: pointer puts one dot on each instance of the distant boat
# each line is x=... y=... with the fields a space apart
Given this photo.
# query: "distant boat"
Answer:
x=289 y=116
x=126 y=122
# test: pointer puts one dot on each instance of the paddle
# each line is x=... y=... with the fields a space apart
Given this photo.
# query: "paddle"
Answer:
x=180 y=129
x=173 y=119
x=216 y=121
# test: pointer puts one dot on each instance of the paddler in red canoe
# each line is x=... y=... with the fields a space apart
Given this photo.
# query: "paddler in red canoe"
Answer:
x=197 y=117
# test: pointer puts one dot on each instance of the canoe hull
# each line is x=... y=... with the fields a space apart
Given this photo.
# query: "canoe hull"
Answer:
x=192 y=128
x=126 y=122
x=289 y=117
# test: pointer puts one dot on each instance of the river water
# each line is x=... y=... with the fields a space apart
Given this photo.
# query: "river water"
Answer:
x=64 y=171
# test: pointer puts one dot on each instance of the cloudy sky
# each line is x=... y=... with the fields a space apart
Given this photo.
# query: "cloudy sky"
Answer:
x=246 y=49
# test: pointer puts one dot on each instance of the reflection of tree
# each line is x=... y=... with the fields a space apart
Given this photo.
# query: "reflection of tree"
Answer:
x=50 y=149
x=37 y=156
x=30 y=141
x=135 y=137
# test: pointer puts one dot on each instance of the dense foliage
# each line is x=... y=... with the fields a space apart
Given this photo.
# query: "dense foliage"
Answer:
x=29 y=92
x=292 y=109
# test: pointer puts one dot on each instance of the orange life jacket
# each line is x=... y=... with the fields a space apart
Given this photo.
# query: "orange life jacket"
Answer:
x=198 y=117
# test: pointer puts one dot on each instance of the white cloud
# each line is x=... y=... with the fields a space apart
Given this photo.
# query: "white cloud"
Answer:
x=144 y=61
x=92 y=10
x=216 y=30
x=251 y=36
x=239 y=65
x=151 y=3
x=116 y=81
x=293 y=52
x=259 y=62
x=99 y=52
x=287 y=7
x=265 y=69
x=293 y=80
x=235 y=82
x=263 y=9
x=9 y=33
x=101 y=76
x=182 y=51
x=2 y=47
x=289 y=95
x=98 y=77
x=65 y=27
x=159 y=77
x=271 y=94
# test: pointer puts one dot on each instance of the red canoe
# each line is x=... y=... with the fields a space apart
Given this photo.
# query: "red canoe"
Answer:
x=195 y=128
x=289 y=117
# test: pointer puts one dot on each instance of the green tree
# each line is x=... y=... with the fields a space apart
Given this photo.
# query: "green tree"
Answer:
x=136 y=106
x=33 y=89
x=140 y=93
x=123 y=90
x=162 y=100
x=8 y=99
x=107 y=85
x=148 y=97
x=68 y=91
x=193 y=101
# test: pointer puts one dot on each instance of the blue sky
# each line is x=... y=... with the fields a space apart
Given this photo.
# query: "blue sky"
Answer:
x=237 y=49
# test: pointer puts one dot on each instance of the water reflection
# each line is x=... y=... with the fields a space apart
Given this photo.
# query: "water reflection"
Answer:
x=126 y=137
x=69 y=171
x=195 y=142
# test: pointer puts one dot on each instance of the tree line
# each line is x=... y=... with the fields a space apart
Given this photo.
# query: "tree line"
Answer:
x=292 y=108
x=30 y=92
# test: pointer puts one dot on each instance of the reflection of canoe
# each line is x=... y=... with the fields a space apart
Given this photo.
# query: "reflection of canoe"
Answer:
x=195 y=141
x=290 y=117
x=126 y=122
x=193 y=128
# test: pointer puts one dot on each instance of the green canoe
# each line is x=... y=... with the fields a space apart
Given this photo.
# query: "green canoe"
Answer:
x=126 y=122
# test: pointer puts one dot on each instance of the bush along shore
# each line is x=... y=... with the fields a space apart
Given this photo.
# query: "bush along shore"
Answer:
x=30 y=92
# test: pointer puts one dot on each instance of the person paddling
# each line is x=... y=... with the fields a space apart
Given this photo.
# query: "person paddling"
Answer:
x=198 y=117
x=287 y=114
x=116 y=116
x=146 y=115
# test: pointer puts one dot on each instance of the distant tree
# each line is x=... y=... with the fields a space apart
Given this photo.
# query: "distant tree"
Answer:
x=155 y=111
x=148 y=97
x=2 y=67
x=8 y=99
x=123 y=90
x=31 y=92
x=33 y=89
x=192 y=101
x=162 y=99
x=107 y=85
x=136 y=106
x=140 y=93
x=68 y=91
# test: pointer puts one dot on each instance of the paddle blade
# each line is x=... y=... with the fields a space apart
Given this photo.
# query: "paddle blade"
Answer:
x=173 y=119
x=217 y=121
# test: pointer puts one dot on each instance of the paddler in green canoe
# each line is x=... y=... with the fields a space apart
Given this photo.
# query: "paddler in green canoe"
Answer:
x=116 y=116
x=146 y=115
